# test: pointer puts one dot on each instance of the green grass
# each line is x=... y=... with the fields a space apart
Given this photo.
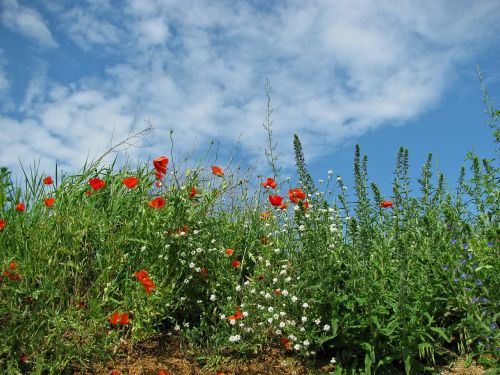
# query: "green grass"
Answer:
x=383 y=290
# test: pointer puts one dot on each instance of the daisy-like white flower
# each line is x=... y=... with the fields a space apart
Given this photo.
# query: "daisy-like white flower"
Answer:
x=304 y=319
x=326 y=328
x=294 y=299
x=234 y=338
x=305 y=305
x=213 y=297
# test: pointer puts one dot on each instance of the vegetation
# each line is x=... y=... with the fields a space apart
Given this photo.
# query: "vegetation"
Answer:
x=238 y=264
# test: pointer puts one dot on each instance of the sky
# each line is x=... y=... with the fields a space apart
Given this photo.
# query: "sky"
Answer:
x=76 y=75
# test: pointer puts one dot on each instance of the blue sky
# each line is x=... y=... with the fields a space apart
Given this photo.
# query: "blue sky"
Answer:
x=378 y=73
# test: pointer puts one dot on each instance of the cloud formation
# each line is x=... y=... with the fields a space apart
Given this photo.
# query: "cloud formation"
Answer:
x=338 y=69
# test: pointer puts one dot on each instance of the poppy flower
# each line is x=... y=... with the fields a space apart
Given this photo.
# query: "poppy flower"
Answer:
x=158 y=202
x=3 y=223
x=283 y=206
x=124 y=319
x=386 y=204
x=161 y=164
x=115 y=372
x=88 y=193
x=270 y=182
x=159 y=176
x=12 y=266
x=158 y=184
x=48 y=180
x=236 y=316
x=141 y=275
x=113 y=318
x=305 y=205
x=204 y=271
x=163 y=372
x=20 y=207
x=229 y=252
x=275 y=200
x=130 y=182
x=144 y=279
x=217 y=171
x=193 y=192
x=96 y=183
x=296 y=195
x=235 y=263
x=49 y=202
x=286 y=343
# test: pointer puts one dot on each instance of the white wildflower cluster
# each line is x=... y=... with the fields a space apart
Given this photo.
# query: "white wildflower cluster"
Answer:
x=234 y=338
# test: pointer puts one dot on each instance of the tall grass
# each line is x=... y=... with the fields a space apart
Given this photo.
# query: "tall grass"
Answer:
x=377 y=289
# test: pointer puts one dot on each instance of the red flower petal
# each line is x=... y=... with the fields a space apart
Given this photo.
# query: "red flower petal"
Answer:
x=3 y=223
x=12 y=265
x=193 y=192
x=20 y=207
x=48 y=180
x=161 y=164
x=270 y=182
x=158 y=202
x=124 y=319
x=275 y=200
x=130 y=182
x=96 y=183
x=296 y=195
x=49 y=202
x=229 y=251
x=217 y=171
x=235 y=263
x=386 y=204
x=113 y=318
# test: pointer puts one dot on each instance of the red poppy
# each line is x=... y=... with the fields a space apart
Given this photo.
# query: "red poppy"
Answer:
x=204 y=271
x=3 y=223
x=163 y=372
x=159 y=176
x=229 y=252
x=49 y=202
x=296 y=195
x=193 y=192
x=386 y=204
x=115 y=372
x=124 y=319
x=144 y=279
x=130 y=182
x=286 y=343
x=158 y=184
x=114 y=318
x=20 y=207
x=217 y=171
x=283 y=206
x=12 y=266
x=88 y=193
x=158 y=202
x=270 y=182
x=161 y=164
x=48 y=180
x=96 y=183
x=235 y=263
x=238 y=314
x=306 y=205
x=275 y=200
x=141 y=275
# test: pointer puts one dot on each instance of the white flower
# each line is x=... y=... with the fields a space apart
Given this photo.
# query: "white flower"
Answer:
x=282 y=313
x=197 y=269
x=320 y=181
x=232 y=322
x=222 y=317
x=278 y=332
x=305 y=305
x=253 y=291
x=332 y=361
x=306 y=343
x=270 y=320
x=186 y=325
x=275 y=280
x=213 y=297
x=177 y=327
x=344 y=187
x=282 y=272
x=276 y=316
x=267 y=296
x=302 y=329
x=282 y=324
x=297 y=347
x=294 y=299
x=213 y=240
x=317 y=321
x=304 y=319
x=302 y=227
x=238 y=288
x=339 y=178
x=245 y=314
x=191 y=265
x=277 y=251
x=330 y=171
x=296 y=208
x=292 y=338
x=234 y=338
x=270 y=309
x=288 y=279
x=326 y=328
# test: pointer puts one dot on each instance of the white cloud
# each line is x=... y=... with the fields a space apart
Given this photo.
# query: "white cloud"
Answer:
x=26 y=21
x=338 y=70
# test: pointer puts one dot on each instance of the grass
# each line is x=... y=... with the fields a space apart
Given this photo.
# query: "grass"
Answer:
x=392 y=287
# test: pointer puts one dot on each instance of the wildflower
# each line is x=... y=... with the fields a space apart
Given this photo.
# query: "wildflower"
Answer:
x=333 y=361
x=213 y=297
x=158 y=202
x=3 y=223
x=229 y=252
x=20 y=207
x=130 y=182
x=276 y=200
x=490 y=244
x=144 y=279
x=283 y=206
x=88 y=193
x=465 y=246
x=158 y=176
x=163 y=372
x=265 y=215
x=286 y=343
x=297 y=347
x=204 y=271
x=193 y=192
x=305 y=305
x=296 y=195
x=326 y=328
x=217 y=171
x=234 y=338
x=113 y=318
x=304 y=319
x=48 y=180
x=386 y=204
x=12 y=266
x=305 y=205
x=235 y=263
x=96 y=183
x=49 y=202
x=236 y=316
x=270 y=182
x=160 y=164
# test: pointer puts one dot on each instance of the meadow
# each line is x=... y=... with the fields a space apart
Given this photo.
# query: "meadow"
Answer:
x=234 y=263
